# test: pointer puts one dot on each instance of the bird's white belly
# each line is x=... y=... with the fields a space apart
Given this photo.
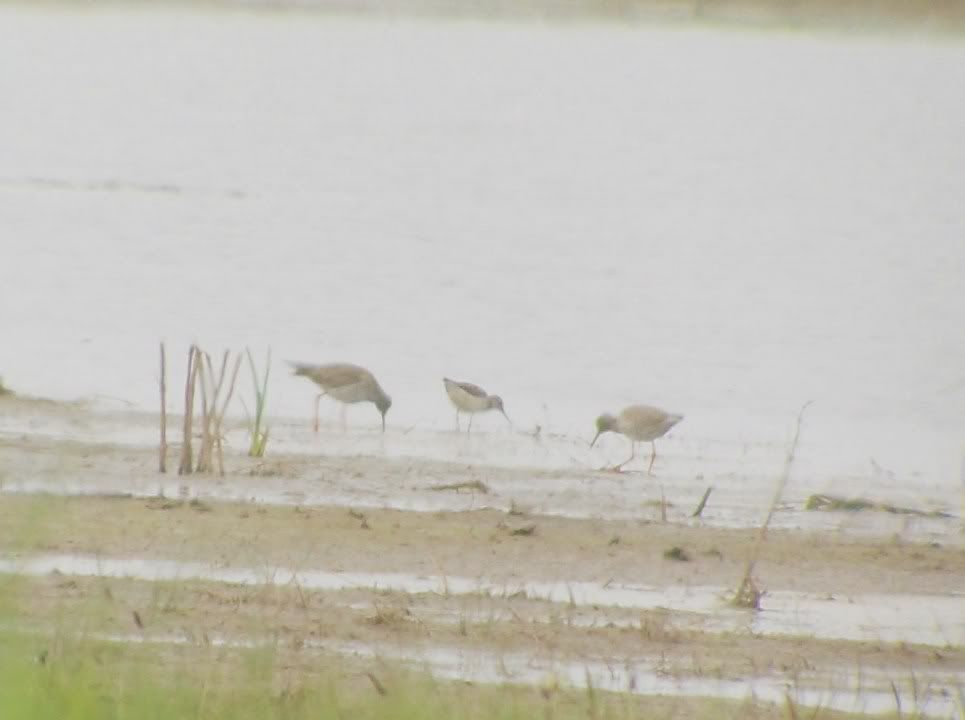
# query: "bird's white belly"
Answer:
x=465 y=401
x=643 y=432
x=349 y=393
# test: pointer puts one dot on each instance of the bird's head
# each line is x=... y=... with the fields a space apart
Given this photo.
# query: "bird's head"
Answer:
x=604 y=423
x=496 y=403
x=383 y=404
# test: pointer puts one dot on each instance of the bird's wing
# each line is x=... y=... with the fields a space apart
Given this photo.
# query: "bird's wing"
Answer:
x=643 y=415
x=334 y=375
x=473 y=390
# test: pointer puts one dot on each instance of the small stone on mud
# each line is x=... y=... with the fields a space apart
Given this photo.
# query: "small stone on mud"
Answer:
x=676 y=553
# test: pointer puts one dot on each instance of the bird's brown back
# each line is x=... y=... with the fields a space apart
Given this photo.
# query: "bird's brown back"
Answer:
x=646 y=422
x=473 y=390
x=335 y=375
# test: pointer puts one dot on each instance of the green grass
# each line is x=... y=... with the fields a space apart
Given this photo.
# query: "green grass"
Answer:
x=57 y=678
x=259 y=434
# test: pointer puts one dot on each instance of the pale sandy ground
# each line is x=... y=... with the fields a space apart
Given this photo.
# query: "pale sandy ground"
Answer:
x=471 y=588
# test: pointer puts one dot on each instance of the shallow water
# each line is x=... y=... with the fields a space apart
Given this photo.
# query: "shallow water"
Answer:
x=924 y=619
x=553 y=475
x=725 y=224
x=849 y=692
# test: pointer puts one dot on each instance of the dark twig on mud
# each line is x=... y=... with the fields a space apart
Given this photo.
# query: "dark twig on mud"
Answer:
x=468 y=485
x=894 y=691
x=377 y=684
x=747 y=594
x=162 y=463
x=703 y=502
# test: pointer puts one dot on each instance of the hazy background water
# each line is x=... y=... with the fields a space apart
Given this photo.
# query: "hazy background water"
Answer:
x=575 y=216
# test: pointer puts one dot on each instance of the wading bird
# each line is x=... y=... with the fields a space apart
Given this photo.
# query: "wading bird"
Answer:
x=639 y=423
x=469 y=398
x=346 y=383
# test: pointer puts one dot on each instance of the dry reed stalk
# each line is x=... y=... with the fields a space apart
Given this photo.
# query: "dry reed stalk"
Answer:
x=185 y=466
x=224 y=408
x=162 y=464
x=202 y=465
x=747 y=594
x=209 y=408
x=213 y=413
x=791 y=707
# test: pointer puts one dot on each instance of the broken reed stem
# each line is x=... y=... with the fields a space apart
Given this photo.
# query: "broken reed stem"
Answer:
x=211 y=390
x=703 y=502
x=162 y=463
x=663 y=506
x=185 y=467
x=747 y=592
x=792 y=713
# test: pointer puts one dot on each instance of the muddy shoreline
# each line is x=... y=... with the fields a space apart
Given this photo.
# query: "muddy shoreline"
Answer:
x=477 y=581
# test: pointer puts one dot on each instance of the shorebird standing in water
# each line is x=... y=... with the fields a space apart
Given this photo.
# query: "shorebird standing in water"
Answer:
x=471 y=399
x=639 y=423
x=346 y=383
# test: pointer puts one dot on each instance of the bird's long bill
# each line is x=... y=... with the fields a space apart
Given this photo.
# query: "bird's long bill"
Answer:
x=595 y=438
x=507 y=419
x=383 y=422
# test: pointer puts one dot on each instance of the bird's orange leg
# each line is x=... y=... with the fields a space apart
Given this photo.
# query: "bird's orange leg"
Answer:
x=633 y=453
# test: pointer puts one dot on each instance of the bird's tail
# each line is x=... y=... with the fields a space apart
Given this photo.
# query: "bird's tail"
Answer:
x=300 y=368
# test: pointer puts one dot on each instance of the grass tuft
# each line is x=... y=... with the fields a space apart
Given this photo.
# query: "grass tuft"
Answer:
x=833 y=503
x=677 y=553
x=257 y=430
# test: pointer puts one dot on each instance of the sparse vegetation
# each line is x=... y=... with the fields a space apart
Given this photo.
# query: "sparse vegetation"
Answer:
x=213 y=409
x=212 y=413
x=57 y=675
x=833 y=503
x=4 y=390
